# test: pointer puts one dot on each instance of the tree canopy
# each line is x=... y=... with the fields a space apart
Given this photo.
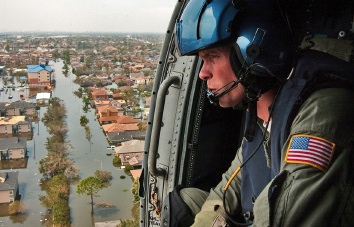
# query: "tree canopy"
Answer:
x=89 y=186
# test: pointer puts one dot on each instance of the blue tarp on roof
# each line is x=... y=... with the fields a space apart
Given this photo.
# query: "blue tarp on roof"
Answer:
x=38 y=68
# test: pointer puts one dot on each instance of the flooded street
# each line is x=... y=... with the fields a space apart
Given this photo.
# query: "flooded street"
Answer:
x=88 y=158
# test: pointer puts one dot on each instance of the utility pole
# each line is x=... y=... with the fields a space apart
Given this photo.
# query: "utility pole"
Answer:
x=34 y=148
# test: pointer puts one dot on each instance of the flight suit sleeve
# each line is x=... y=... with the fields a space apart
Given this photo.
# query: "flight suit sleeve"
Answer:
x=212 y=212
x=306 y=194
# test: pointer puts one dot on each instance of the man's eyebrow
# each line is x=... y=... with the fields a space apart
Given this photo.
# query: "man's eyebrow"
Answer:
x=208 y=52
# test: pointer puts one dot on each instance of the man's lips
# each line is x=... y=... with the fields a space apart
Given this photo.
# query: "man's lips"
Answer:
x=214 y=91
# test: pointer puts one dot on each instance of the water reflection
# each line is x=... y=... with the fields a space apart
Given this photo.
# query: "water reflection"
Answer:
x=84 y=155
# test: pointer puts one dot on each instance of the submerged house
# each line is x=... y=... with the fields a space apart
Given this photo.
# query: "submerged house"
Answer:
x=8 y=187
x=13 y=148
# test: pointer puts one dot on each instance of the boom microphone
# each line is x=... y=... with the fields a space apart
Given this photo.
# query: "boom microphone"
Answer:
x=213 y=97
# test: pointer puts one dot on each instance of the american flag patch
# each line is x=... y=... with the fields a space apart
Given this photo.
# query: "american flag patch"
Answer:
x=310 y=150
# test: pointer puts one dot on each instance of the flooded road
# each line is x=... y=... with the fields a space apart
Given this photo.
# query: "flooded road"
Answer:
x=88 y=158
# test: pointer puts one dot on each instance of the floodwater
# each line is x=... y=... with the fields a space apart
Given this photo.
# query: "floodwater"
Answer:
x=88 y=158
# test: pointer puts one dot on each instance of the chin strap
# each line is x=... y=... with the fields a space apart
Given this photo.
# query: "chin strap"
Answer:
x=251 y=124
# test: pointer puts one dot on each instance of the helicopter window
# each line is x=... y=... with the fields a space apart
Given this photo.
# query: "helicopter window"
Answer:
x=218 y=141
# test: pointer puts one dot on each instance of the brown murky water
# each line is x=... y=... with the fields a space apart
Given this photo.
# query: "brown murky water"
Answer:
x=87 y=158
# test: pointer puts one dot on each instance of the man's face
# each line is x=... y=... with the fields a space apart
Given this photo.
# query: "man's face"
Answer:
x=217 y=72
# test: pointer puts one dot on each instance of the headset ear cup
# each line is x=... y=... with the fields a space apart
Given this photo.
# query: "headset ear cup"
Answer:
x=249 y=78
x=232 y=60
x=235 y=62
x=237 y=67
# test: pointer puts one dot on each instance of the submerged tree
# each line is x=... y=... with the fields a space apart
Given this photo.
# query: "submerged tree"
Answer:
x=84 y=120
x=89 y=186
x=105 y=176
x=57 y=160
x=17 y=207
x=56 y=188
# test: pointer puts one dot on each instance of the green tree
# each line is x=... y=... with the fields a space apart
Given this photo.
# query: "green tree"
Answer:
x=86 y=101
x=55 y=55
x=56 y=188
x=65 y=69
x=89 y=62
x=135 y=190
x=89 y=186
x=56 y=199
x=88 y=135
x=61 y=213
x=117 y=162
x=83 y=120
x=135 y=111
x=66 y=57
x=127 y=168
x=56 y=110
x=127 y=94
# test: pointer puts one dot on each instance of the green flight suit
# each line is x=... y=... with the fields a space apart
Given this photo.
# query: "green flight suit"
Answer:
x=307 y=196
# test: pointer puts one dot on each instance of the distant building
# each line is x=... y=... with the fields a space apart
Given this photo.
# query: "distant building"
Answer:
x=8 y=187
x=106 y=111
x=39 y=74
x=99 y=93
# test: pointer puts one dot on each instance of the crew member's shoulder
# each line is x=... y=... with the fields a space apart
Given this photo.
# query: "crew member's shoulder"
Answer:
x=327 y=113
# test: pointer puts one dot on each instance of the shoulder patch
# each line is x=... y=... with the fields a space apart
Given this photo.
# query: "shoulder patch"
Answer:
x=310 y=150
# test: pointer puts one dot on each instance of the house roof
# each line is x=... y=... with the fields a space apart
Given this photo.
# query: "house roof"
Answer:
x=136 y=75
x=106 y=108
x=23 y=105
x=108 y=118
x=101 y=102
x=98 y=91
x=13 y=143
x=133 y=161
x=43 y=95
x=116 y=127
x=11 y=180
x=135 y=173
x=127 y=120
x=38 y=68
x=117 y=95
x=11 y=120
x=132 y=146
x=119 y=137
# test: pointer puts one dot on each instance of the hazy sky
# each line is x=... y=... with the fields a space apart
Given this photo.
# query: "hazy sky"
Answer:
x=86 y=15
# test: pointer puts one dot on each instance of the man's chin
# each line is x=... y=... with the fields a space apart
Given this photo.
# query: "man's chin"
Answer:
x=233 y=105
x=224 y=105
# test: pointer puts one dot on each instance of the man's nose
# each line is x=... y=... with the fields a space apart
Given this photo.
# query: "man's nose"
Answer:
x=205 y=73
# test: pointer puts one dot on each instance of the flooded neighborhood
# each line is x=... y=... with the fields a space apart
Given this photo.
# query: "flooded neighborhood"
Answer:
x=106 y=96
